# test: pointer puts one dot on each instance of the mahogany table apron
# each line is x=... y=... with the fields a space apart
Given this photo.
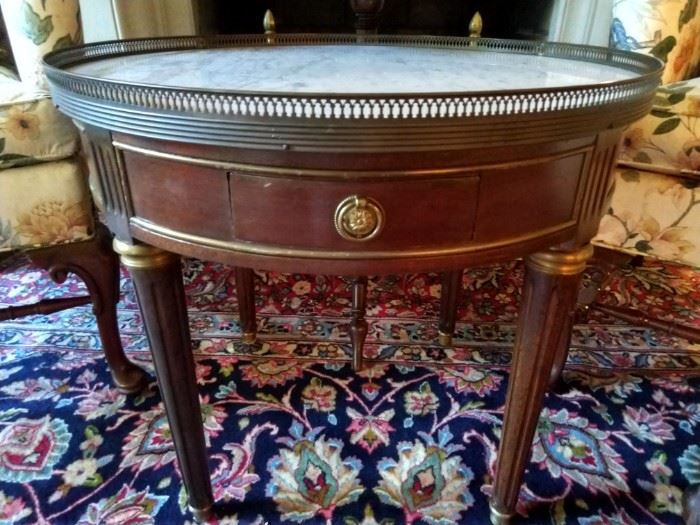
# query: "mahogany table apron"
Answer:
x=330 y=155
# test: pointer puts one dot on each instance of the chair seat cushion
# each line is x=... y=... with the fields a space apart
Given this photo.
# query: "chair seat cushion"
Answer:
x=32 y=130
x=43 y=205
x=668 y=138
x=653 y=214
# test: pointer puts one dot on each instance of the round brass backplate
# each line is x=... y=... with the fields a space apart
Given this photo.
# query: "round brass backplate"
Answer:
x=358 y=218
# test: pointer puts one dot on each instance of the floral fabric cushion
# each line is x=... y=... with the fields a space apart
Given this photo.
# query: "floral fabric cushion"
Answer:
x=654 y=215
x=36 y=27
x=32 y=130
x=669 y=137
x=667 y=29
x=44 y=204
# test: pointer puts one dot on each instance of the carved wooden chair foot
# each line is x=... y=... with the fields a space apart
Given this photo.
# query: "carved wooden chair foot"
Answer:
x=45 y=205
x=98 y=266
x=601 y=266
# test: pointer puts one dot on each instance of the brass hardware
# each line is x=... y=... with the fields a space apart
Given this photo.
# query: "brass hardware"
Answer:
x=560 y=263
x=269 y=24
x=142 y=256
x=249 y=337
x=444 y=339
x=476 y=25
x=358 y=218
x=271 y=250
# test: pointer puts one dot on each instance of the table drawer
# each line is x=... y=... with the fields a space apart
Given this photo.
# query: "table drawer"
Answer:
x=309 y=213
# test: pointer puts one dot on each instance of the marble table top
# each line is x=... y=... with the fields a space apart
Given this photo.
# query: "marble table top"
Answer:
x=355 y=69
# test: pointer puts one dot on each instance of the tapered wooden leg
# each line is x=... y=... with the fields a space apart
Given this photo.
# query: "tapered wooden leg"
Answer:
x=98 y=266
x=561 y=351
x=245 y=290
x=358 y=325
x=158 y=281
x=551 y=285
x=451 y=288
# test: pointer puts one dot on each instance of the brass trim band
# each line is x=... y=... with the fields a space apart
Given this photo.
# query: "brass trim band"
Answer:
x=143 y=256
x=277 y=171
x=560 y=263
x=250 y=248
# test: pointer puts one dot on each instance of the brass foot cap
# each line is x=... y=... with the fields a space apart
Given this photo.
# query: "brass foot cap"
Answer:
x=201 y=515
x=498 y=517
x=445 y=339
x=249 y=337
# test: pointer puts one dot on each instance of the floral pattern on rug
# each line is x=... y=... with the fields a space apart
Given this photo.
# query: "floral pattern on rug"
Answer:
x=296 y=439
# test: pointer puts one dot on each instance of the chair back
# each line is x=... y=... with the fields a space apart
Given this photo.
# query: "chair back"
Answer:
x=667 y=29
x=36 y=27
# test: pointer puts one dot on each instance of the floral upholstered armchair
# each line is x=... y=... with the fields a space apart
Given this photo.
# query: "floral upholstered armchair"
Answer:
x=45 y=205
x=655 y=207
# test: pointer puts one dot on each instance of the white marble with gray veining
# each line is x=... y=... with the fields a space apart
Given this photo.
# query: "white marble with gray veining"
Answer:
x=332 y=69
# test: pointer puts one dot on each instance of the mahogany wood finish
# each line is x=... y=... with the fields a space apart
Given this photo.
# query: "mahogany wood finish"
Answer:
x=43 y=307
x=523 y=175
x=451 y=289
x=633 y=316
x=98 y=266
x=489 y=209
x=549 y=296
x=158 y=282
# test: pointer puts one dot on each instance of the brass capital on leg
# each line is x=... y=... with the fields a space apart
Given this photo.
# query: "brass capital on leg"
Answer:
x=555 y=262
x=142 y=256
x=444 y=339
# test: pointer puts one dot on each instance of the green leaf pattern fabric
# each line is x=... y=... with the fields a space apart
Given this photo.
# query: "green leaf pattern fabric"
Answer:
x=666 y=29
x=44 y=195
x=36 y=27
x=652 y=211
x=654 y=215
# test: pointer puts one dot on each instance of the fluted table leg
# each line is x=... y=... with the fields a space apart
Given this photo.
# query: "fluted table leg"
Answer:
x=245 y=290
x=549 y=297
x=358 y=325
x=158 y=281
x=450 y=289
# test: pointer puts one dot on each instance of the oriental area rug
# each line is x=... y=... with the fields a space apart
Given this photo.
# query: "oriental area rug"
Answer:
x=295 y=436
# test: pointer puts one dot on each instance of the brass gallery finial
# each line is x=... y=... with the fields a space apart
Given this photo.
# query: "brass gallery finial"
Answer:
x=269 y=23
x=476 y=25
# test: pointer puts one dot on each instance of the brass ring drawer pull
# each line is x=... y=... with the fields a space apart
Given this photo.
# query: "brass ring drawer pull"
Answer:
x=359 y=218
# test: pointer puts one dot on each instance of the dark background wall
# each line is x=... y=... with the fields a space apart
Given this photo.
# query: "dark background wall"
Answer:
x=528 y=19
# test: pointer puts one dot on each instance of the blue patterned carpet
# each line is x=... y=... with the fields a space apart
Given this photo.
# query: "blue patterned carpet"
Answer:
x=296 y=437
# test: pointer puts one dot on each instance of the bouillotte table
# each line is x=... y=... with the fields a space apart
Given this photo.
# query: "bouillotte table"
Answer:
x=355 y=156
